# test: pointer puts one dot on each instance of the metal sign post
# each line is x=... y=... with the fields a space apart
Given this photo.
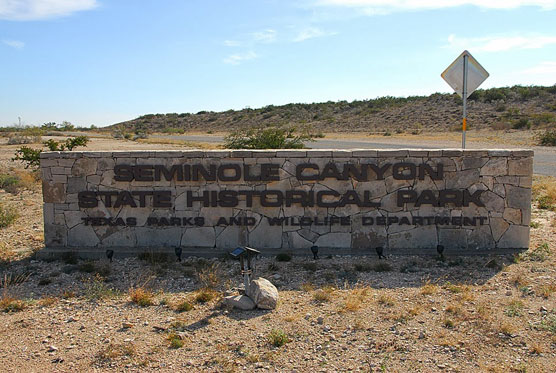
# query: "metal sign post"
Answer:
x=464 y=75
x=464 y=95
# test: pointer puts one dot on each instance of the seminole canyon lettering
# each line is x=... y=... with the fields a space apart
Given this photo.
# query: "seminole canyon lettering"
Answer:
x=270 y=172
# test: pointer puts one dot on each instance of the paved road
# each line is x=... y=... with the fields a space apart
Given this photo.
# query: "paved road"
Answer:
x=544 y=162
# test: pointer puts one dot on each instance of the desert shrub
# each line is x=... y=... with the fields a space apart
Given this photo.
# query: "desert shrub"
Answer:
x=273 y=137
x=141 y=296
x=278 y=337
x=544 y=193
x=183 y=306
x=521 y=123
x=176 y=340
x=205 y=295
x=153 y=257
x=31 y=157
x=10 y=183
x=8 y=215
x=548 y=138
x=11 y=304
x=283 y=257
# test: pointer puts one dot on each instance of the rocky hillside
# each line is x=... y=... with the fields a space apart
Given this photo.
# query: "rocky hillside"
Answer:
x=518 y=107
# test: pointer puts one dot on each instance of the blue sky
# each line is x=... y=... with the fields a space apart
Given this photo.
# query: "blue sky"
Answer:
x=104 y=61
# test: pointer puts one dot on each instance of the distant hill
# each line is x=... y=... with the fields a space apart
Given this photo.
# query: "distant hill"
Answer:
x=519 y=107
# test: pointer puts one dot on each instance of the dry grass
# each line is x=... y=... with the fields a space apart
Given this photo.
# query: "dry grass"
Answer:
x=355 y=299
x=9 y=303
x=205 y=295
x=183 y=306
x=47 y=301
x=386 y=300
x=429 y=289
x=141 y=296
x=544 y=192
x=115 y=350
x=324 y=294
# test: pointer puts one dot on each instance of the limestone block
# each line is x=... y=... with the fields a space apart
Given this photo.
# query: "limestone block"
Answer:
x=48 y=213
x=55 y=235
x=82 y=236
x=241 y=302
x=492 y=201
x=84 y=167
x=263 y=293
x=462 y=179
x=125 y=237
x=369 y=239
x=453 y=238
x=53 y=192
x=199 y=237
x=159 y=237
x=422 y=237
x=519 y=198
x=76 y=184
x=265 y=236
x=334 y=240
x=59 y=179
x=105 y=164
x=73 y=218
x=231 y=237
x=516 y=237
x=469 y=162
x=526 y=217
x=297 y=242
x=498 y=227
x=512 y=215
x=520 y=167
x=495 y=167
x=480 y=238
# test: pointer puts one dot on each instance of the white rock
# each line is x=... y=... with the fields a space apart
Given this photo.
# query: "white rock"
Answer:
x=241 y=302
x=263 y=293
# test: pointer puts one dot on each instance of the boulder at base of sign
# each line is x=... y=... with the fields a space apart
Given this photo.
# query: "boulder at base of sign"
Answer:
x=242 y=302
x=263 y=293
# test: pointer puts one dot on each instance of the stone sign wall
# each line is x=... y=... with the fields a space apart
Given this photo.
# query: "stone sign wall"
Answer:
x=208 y=202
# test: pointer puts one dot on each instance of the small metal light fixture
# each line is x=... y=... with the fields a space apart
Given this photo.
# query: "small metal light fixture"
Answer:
x=110 y=254
x=245 y=254
x=178 y=252
x=380 y=252
x=440 y=251
x=315 y=251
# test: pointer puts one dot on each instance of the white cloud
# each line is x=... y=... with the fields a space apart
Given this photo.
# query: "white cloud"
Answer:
x=377 y=7
x=265 y=36
x=236 y=59
x=500 y=43
x=543 y=68
x=232 y=43
x=27 y=10
x=17 y=44
x=310 y=33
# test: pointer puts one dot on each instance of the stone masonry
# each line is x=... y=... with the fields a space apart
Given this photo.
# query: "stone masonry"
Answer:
x=504 y=178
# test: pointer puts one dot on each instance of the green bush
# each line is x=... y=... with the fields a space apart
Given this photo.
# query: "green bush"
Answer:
x=278 y=337
x=273 y=137
x=7 y=216
x=31 y=157
x=9 y=183
x=548 y=138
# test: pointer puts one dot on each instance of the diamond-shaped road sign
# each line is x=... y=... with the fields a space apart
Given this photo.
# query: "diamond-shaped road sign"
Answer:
x=476 y=74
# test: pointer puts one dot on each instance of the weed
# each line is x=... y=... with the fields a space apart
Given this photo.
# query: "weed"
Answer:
x=10 y=279
x=93 y=267
x=183 y=306
x=307 y=287
x=9 y=183
x=309 y=266
x=278 y=337
x=547 y=290
x=324 y=294
x=273 y=267
x=514 y=308
x=548 y=324
x=355 y=299
x=506 y=328
x=209 y=276
x=11 y=304
x=114 y=351
x=429 y=289
x=47 y=301
x=382 y=267
x=176 y=341
x=539 y=254
x=67 y=294
x=448 y=323
x=141 y=296
x=44 y=281
x=362 y=267
x=386 y=300
x=534 y=224
x=153 y=257
x=96 y=289
x=548 y=138
x=283 y=257
x=8 y=215
x=205 y=295
x=453 y=288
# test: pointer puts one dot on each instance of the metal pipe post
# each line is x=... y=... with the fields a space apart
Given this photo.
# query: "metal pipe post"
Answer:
x=464 y=95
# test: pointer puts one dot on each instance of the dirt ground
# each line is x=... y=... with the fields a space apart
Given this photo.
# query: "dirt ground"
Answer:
x=404 y=313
